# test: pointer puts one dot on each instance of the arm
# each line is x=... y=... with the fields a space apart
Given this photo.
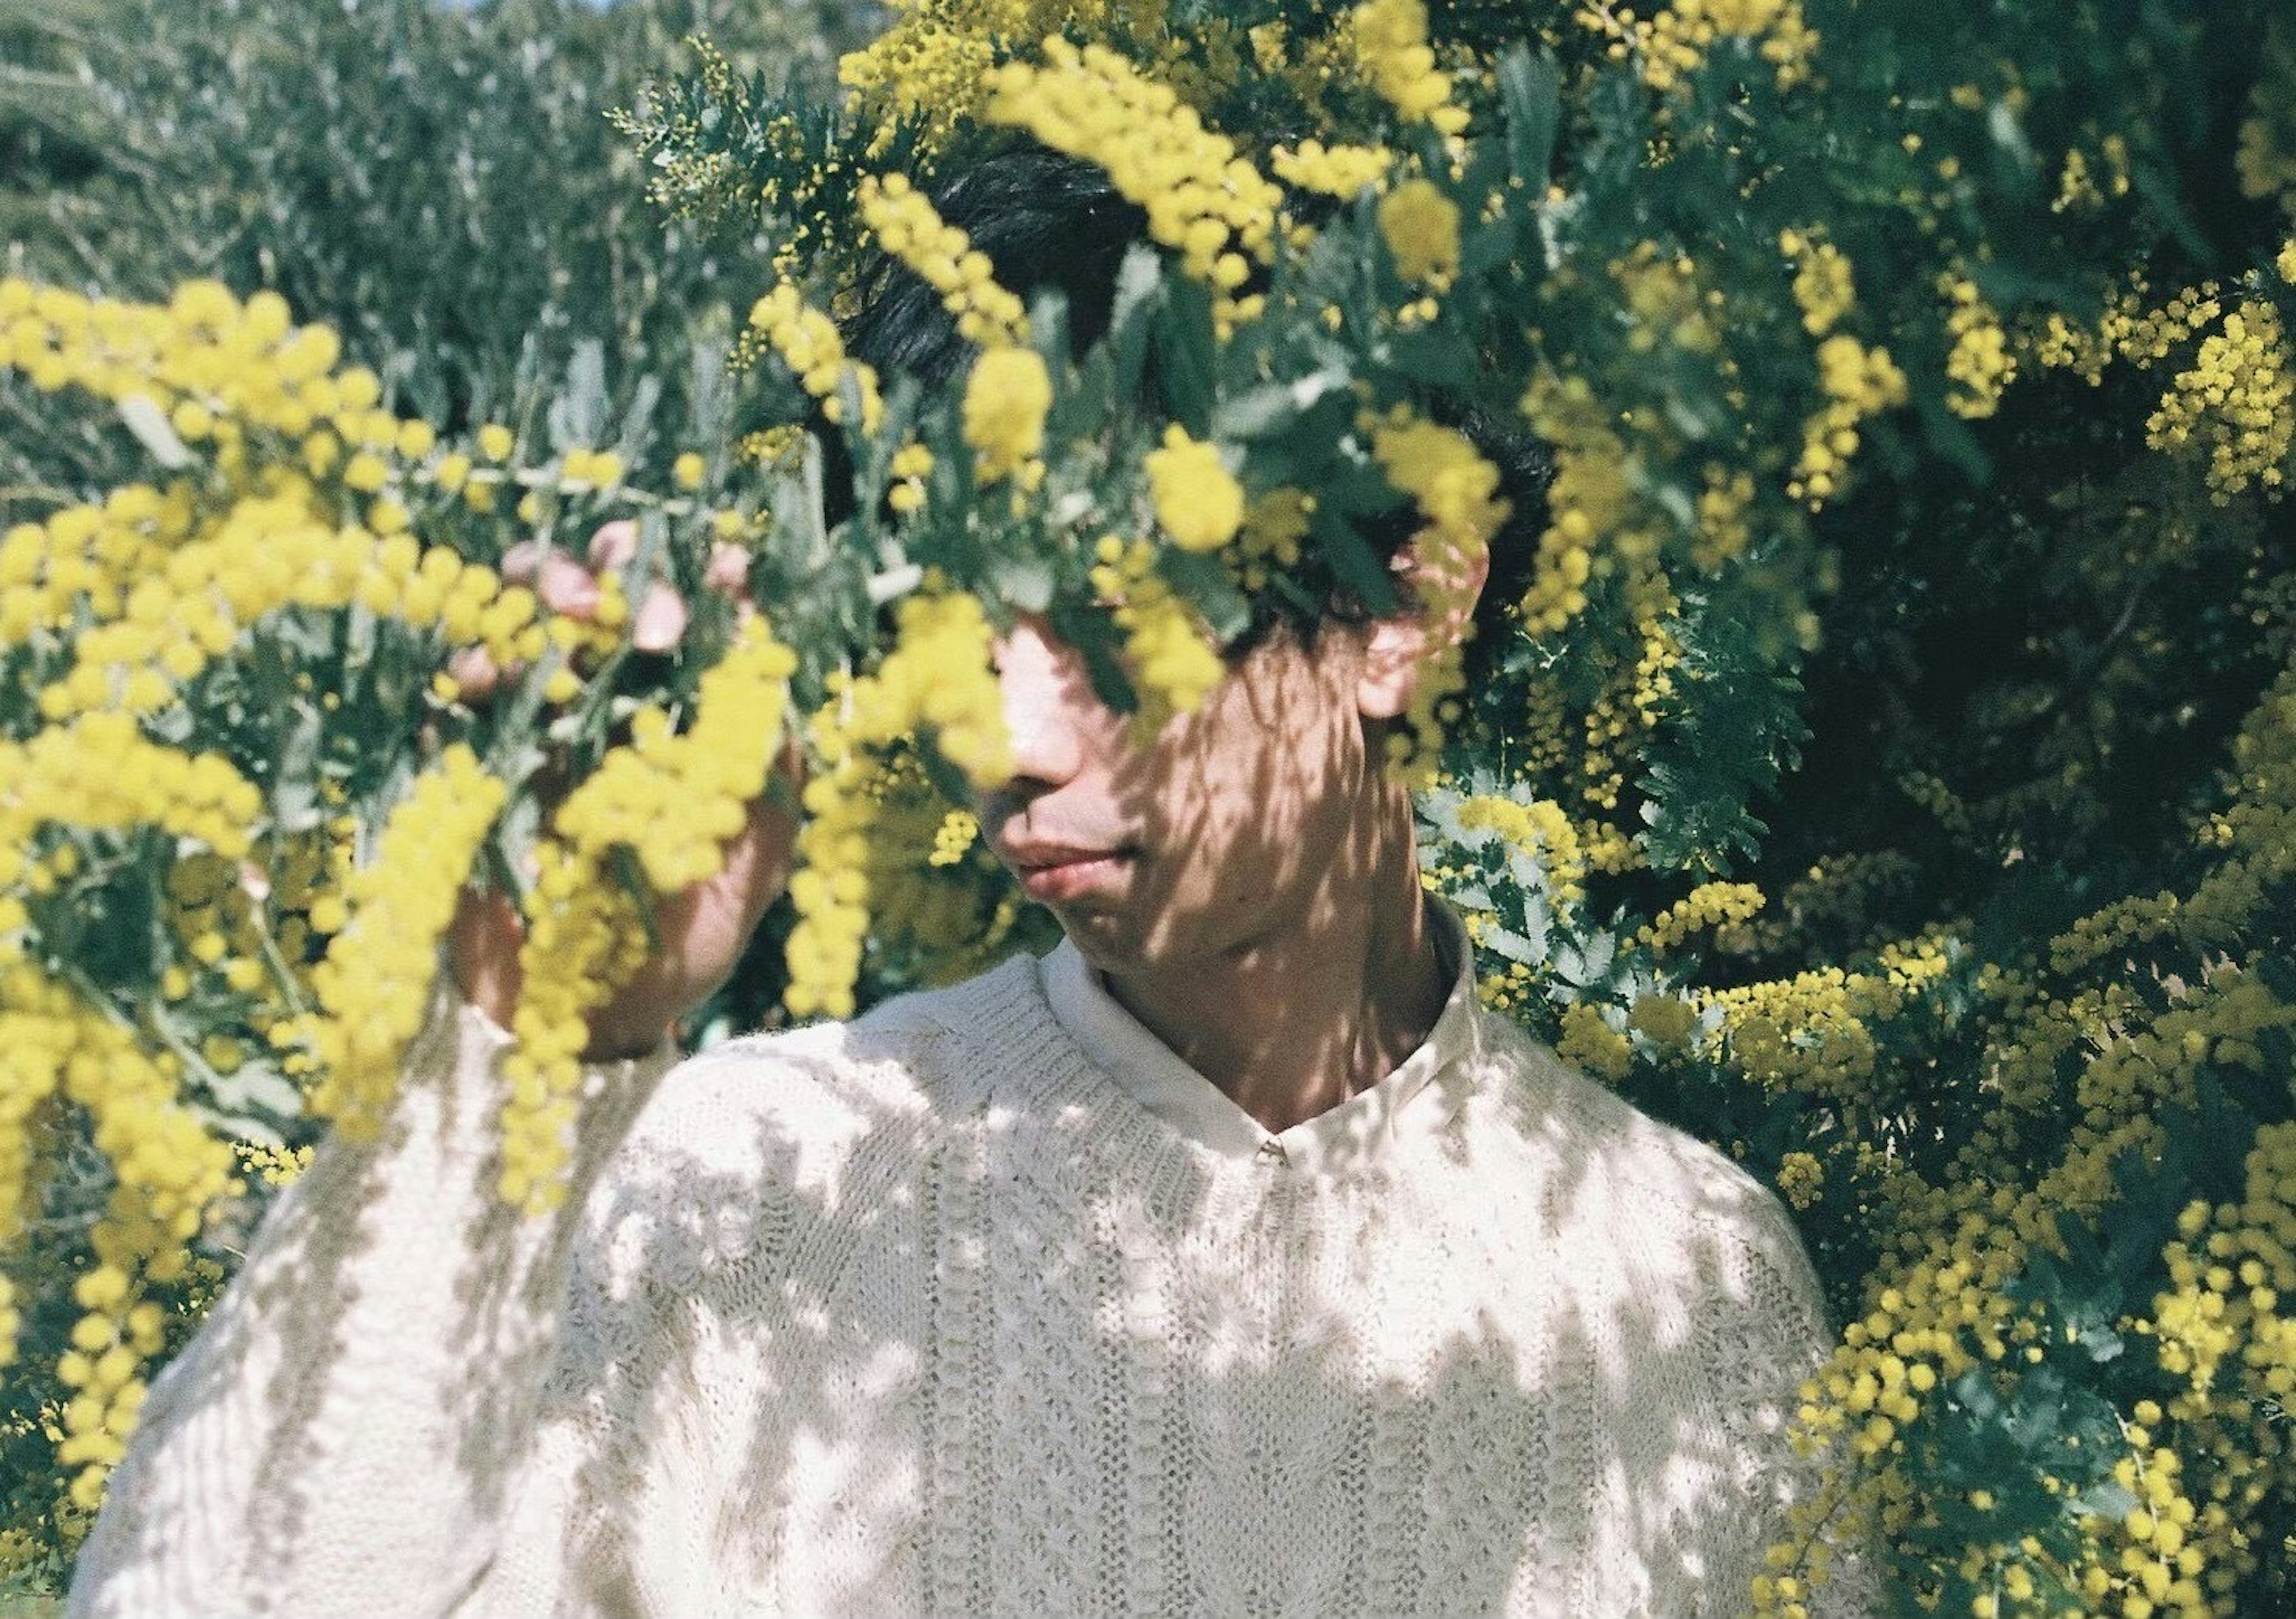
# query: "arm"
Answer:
x=343 y=1435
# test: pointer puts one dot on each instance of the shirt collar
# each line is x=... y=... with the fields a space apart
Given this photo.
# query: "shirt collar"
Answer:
x=1416 y=1099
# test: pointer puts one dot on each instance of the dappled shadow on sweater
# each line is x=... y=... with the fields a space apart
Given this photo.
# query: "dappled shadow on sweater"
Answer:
x=866 y=1323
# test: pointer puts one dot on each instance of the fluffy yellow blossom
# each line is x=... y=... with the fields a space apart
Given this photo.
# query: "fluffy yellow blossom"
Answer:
x=1390 y=40
x=1980 y=364
x=1172 y=657
x=808 y=344
x=1588 y=1041
x=1202 y=199
x=1198 y=501
x=378 y=973
x=1542 y=829
x=1667 y=45
x=1005 y=398
x=937 y=681
x=1339 y=171
x=1857 y=382
x=1708 y=905
x=2237 y=403
x=907 y=227
x=1422 y=228
x=1801 y=1178
x=1824 y=286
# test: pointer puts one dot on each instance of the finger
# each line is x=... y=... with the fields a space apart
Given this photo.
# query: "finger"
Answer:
x=661 y=618
x=613 y=545
x=566 y=587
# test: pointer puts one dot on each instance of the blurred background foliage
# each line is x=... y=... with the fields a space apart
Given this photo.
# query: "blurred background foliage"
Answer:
x=441 y=184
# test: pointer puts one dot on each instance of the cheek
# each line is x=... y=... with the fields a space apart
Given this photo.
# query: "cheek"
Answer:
x=1257 y=795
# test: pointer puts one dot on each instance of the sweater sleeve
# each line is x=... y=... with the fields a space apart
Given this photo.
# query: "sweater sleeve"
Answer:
x=345 y=1433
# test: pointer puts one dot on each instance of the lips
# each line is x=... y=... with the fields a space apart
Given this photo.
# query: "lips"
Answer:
x=1055 y=873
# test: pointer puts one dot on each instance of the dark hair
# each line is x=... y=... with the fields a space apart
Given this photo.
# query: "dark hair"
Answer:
x=1047 y=220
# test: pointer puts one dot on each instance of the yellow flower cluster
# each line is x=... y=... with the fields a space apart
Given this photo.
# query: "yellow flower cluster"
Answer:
x=1664 y=298
x=911 y=464
x=2237 y=403
x=938 y=678
x=830 y=889
x=1456 y=491
x=263 y=554
x=1589 y=1042
x=1172 y=657
x=1980 y=364
x=584 y=938
x=1590 y=500
x=379 y=969
x=1667 y=1021
x=954 y=837
x=1825 y=285
x=1632 y=705
x=907 y=226
x=808 y=344
x=1724 y=530
x=1802 y=1179
x=1202 y=199
x=89 y=554
x=1540 y=829
x=169 y=1172
x=1274 y=525
x=1858 y=382
x=1005 y=398
x=674 y=799
x=932 y=70
x=2077 y=182
x=274 y=1166
x=1338 y=170
x=1708 y=905
x=99 y=770
x=1390 y=40
x=202 y=368
x=1198 y=501
x=2127 y=330
x=1666 y=46
x=1421 y=226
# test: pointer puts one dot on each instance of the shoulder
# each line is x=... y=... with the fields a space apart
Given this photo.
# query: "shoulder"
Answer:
x=1647 y=1185
x=816 y=1091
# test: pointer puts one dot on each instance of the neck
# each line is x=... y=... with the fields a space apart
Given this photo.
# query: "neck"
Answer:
x=1291 y=1024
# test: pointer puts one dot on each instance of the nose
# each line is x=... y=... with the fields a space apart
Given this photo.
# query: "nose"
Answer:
x=1049 y=705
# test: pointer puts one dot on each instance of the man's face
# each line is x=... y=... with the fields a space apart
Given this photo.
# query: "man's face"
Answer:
x=1237 y=824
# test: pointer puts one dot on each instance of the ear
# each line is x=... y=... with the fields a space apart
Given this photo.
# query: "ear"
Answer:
x=1394 y=647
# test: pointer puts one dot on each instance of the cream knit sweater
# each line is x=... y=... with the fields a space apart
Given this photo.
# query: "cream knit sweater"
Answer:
x=986 y=1305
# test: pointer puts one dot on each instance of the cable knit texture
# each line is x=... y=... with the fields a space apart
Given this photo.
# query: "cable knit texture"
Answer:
x=929 y=1313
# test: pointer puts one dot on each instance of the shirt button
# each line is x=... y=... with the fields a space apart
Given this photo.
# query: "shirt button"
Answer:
x=1271 y=1151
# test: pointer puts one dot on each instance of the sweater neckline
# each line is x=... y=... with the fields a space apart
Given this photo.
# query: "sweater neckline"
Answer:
x=1418 y=1099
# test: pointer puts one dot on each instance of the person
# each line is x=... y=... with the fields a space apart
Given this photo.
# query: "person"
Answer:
x=1230 y=1259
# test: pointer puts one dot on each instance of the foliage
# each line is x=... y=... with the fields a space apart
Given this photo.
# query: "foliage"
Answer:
x=1880 y=757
